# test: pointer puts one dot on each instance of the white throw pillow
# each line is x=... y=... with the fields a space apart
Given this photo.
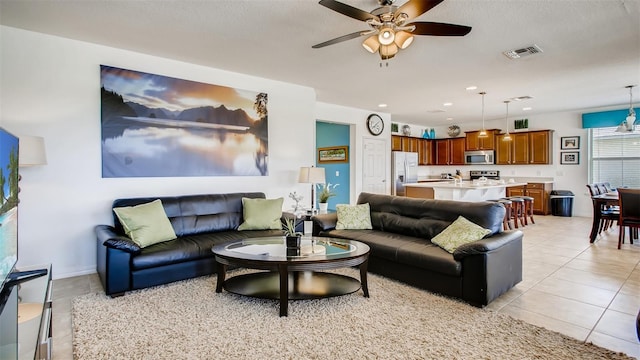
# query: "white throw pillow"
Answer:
x=353 y=217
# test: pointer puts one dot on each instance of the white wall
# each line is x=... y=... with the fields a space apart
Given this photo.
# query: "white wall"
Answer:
x=50 y=87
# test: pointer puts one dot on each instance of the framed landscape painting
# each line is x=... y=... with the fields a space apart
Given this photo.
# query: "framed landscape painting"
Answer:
x=333 y=154
x=159 y=126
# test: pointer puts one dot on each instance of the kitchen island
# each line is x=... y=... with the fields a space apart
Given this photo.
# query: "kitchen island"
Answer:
x=461 y=191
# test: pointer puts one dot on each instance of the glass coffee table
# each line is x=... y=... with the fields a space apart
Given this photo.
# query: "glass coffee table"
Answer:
x=293 y=274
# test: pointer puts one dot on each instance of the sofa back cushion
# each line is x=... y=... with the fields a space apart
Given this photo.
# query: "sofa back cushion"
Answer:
x=426 y=218
x=196 y=214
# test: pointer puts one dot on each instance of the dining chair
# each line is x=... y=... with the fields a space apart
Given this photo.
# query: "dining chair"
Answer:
x=629 y=201
x=607 y=214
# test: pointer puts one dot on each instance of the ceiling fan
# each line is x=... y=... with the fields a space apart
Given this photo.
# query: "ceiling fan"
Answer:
x=391 y=27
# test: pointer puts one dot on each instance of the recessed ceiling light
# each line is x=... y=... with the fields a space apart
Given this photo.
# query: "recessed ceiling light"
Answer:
x=526 y=108
x=450 y=118
x=447 y=104
x=471 y=87
x=382 y=105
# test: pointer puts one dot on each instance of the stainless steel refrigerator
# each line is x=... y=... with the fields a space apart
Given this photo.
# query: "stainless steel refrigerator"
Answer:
x=404 y=167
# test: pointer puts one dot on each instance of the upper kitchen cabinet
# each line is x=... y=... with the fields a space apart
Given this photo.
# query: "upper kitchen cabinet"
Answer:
x=396 y=143
x=425 y=152
x=404 y=143
x=531 y=147
x=540 y=147
x=450 y=151
x=473 y=141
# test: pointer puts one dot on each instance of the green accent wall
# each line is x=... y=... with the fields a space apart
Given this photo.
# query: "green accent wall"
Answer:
x=328 y=134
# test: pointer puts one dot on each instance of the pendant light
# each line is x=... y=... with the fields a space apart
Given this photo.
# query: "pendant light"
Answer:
x=628 y=124
x=483 y=132
x=507 y=136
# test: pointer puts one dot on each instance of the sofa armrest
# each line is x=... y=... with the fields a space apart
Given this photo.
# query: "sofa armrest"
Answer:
x=324 y=222
x=487 y=244
x=108 y=237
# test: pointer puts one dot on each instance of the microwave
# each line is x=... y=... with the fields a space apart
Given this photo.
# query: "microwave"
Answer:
x=479 y=157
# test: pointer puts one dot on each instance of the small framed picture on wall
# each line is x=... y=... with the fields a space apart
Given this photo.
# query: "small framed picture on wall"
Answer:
x=570 y=158
x=570 y=143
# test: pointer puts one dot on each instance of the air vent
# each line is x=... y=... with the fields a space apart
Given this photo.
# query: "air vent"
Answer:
x=520 y=98
x=519 y=53
x=436 y=111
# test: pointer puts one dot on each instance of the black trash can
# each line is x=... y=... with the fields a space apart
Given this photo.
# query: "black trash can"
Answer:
x=561 y=202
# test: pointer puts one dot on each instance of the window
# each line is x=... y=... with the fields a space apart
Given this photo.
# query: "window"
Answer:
x=615 y=157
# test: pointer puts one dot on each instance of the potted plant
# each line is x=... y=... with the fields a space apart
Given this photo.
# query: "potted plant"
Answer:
x=326 y=192
x=292 y=236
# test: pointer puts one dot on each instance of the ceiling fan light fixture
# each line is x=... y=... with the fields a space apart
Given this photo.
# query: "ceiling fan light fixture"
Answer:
x=403 y=39
x=387 y=52
x=386 y=36
x=371 y=44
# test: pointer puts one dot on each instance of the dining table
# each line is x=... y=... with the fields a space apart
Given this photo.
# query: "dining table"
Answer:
x=599 y=202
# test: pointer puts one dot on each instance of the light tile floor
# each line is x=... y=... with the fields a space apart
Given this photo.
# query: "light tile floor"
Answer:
x=590 y=292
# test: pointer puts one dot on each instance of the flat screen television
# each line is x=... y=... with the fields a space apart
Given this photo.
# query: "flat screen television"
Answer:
x=8 y=204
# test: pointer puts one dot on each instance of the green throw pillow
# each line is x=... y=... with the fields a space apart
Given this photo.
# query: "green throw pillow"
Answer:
x=460 y=232
x=261 y=214
x=353 y=217
x=146 y=224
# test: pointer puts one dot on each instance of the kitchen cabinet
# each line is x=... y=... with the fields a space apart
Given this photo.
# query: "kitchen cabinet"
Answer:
x=474 y=142
x=531 y=147
x=540 y=193
x=425 y=152
x=409 y=144
x=539 y=147
x=515 y=190
x=449 y=151
x=424 y=147
x=396 y=143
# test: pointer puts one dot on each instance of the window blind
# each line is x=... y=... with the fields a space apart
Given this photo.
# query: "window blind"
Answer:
x=615 y=157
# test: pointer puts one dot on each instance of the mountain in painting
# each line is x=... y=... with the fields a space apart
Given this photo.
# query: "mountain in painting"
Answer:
x=160 y=113
x=216 y=115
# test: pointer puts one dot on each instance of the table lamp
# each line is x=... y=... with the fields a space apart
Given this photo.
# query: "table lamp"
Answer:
x=312 y=175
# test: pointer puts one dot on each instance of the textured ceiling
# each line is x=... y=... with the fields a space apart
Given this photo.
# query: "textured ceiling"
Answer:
x=591 y=49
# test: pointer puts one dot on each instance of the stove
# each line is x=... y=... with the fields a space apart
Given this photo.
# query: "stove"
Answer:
x=489 y=174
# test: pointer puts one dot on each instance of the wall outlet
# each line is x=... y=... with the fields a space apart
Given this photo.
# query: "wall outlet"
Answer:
x=337 y=173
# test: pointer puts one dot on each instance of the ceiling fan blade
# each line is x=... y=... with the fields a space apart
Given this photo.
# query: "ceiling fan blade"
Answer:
x=343 y=38
x=348 y=10
x=440 y=29
x=415 y=8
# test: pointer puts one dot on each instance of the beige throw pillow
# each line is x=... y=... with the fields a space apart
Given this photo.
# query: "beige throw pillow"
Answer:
x=460 y=232
x=353 y=217
x=146 y=224
x=261 y=214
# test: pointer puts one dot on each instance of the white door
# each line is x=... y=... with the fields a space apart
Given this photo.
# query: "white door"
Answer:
x=374 y=166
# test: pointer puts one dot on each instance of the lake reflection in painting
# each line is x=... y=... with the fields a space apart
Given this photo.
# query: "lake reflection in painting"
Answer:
x=155 y=126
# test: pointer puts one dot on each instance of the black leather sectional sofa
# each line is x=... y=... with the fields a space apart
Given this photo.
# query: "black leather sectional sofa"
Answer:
x=401 y=249
x=199 y=221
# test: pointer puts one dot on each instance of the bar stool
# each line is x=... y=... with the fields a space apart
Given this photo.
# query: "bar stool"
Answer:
x=517 y=207
x=528 y=208
x=506 y=222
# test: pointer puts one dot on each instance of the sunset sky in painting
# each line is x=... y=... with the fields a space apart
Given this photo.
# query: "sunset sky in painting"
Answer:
x=157 y=91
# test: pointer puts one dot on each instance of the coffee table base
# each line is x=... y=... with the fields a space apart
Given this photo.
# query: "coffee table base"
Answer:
x=301 y=285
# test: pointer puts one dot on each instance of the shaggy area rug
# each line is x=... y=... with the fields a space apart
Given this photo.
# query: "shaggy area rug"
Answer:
x=188 y=320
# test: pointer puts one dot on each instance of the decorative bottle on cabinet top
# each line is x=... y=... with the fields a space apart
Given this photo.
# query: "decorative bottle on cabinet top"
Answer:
x=432 y=133
x=425 y=133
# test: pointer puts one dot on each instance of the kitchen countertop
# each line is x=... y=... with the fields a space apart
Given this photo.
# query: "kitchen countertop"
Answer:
x=464 y=185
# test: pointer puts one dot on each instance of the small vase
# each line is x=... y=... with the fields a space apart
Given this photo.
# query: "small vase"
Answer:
x=425 y=134
x=323 y=207
x=293 y=241
x=432 y=133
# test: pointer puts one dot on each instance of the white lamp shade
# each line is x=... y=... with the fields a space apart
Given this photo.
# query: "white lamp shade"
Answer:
x=312 y=175
x=31 y=151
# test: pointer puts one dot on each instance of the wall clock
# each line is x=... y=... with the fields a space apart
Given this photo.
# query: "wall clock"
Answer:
x=375 y=124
